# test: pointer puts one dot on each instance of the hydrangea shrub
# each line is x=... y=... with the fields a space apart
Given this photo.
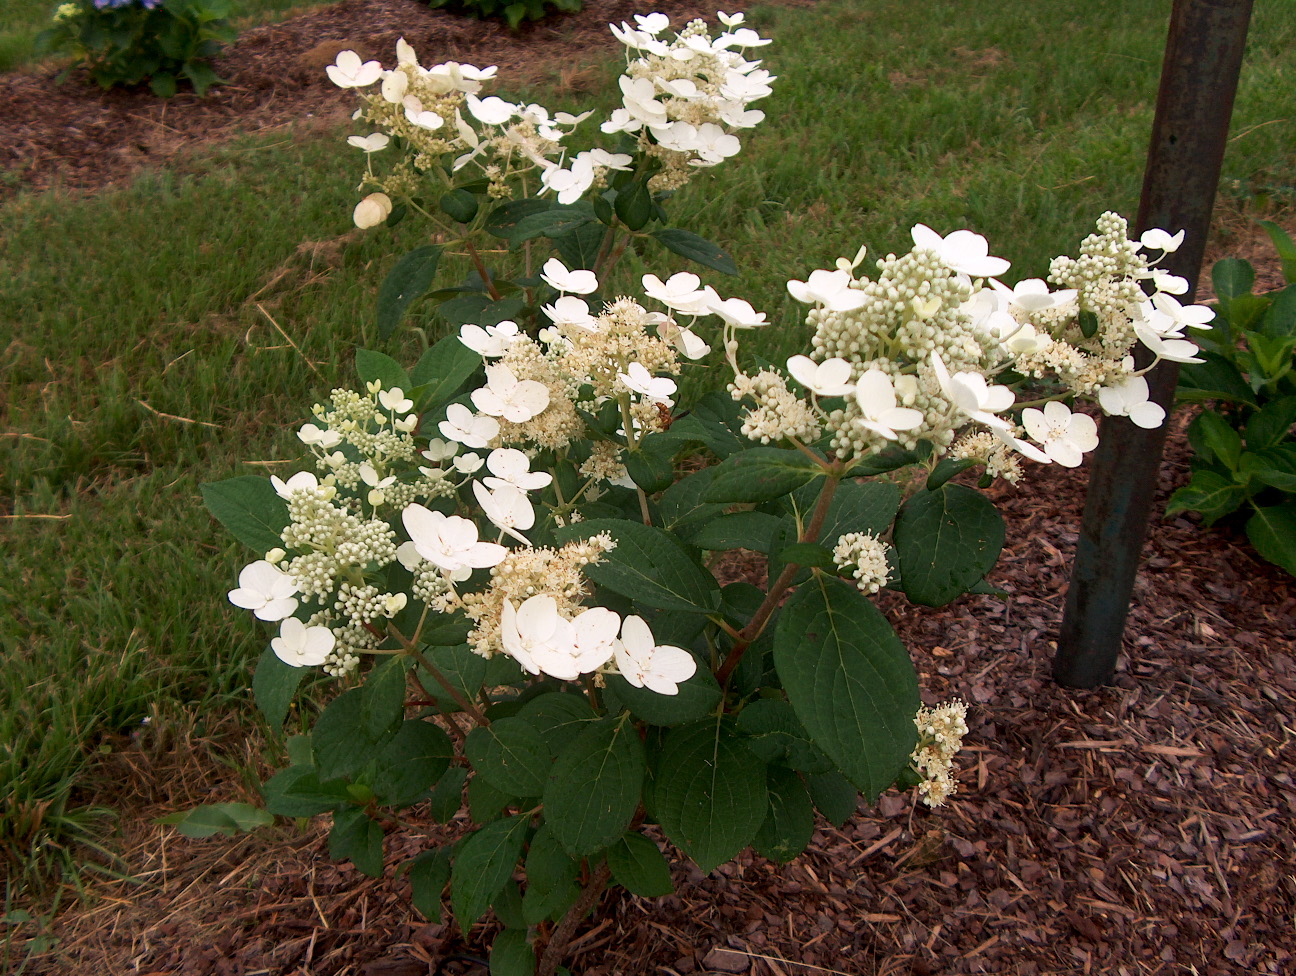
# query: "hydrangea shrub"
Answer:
x=128 y=42
x=504 y=556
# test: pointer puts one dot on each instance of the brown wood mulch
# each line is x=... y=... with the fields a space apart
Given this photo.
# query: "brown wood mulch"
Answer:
x=1139 y=829
x=1143 y=828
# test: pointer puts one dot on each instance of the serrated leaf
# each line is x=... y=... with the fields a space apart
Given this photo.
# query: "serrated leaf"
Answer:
x=737 y=530
x=834 y=796
x=340 y=741
x=760 y=474
x=776 y=735
x=1210 y=493
x=648 y=565
x=382 y=696
x=946 y=541
x=595 y=786
x=412 y=762
x=429 y=873
x=1272 y=530
x=716 y=421
x=374 y=366
x=511 y=755
x=297 y=792
x=357 y=838
x=1271 y=424
x=556 y=221
x=1215 y=379
x=228 y=819
x=639 y=866
x=250 y=509
x=806 y=554
x=652 y=473
x=559 y=717
x=696 y=698
x=681 y=505
x=511 y=954
x=464 y=670
x=552 y=877
x=483 y=864
x=697 y=249
x=411 y=277
x=1285 y=247
x=503 y=220
x=1232 y=277
x=850 y=681
x=947 y=468
x=579 y=248
x=1218 y=439
x=485 y=802
x=459 y=205
x=709 y=792
x=274 y=685
x=441 y=373
x=855 y=507
x=889 y=460
x=447 y=795
x=633 y=205
x=789 y=824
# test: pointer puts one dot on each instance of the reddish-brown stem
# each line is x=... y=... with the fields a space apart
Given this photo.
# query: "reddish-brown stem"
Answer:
x=481 y=270
x=563 y=932
x=761 y=617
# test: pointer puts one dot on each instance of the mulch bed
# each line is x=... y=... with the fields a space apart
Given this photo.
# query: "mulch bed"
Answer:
x=1141 y=828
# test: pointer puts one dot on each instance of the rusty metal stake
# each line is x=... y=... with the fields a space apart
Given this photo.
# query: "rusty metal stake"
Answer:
x=1199 y=78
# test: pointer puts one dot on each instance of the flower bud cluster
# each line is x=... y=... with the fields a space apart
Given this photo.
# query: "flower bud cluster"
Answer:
x=868 y=555
x=940 y=734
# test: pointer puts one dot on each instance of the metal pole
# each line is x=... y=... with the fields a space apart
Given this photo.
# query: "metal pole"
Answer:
x=1199 y=78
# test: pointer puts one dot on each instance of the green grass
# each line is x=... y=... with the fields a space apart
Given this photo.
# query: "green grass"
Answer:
x=22 y=20
x=139 y=365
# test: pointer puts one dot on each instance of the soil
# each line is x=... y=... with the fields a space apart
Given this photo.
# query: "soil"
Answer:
x=1141 y=828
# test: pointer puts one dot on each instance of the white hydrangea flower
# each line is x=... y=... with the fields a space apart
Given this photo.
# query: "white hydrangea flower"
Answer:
x=504 y=395
x=301 y=481
x=876 y=396
x=555 y=273
x=266 y=590
x=372 y=210
x=508 y=508
x=972 y=396
x=513 y=468
x=646 y=664
x=449 y=542
x=372 y=143
x=962 y=250
x=300 y=646
x=656 y=389
x=1130 y=398
x=490 y=341
x=831 y=378
x=464 y=427
x=1065 y=437
x=831 y=289
x=348 y=71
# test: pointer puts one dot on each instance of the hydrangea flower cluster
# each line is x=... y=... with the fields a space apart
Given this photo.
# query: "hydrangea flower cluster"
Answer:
x=866 y=556
x=940 y=734
x=917 y=353
x=683 y=100
x=685 y=97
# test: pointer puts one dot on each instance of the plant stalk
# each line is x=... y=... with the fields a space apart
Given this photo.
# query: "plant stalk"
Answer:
x=562 y=934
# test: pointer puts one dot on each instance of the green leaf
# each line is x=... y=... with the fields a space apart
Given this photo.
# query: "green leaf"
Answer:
x=1219 y=440
x=855 y=507
x=850 y=680
x=1208 y=492
x=806 y=554
x=441 y=373
x=946 y=541
x=228 y=819
x=1272 y=530
x=410 y=278
x=559 y=716
x=889 y=460
x=250 y=509
x=1280 y=319
x=681 y=504
x=341 y=741
x=371 y=366
x=556 y=221
x=633 y=204
x=696 y=249
x=459 y=205
x=595 y=786
x=760 y=474
x=579 y=248
x=504 y=219
x=648 y=565
x=651 y=472
x=716 y=421
x=552 y=878
x=789 y=824
x=696 y=698
x=511 y=954
x=776 y=735
x=485 y=802
x=483 y=864
x=1232 y=277
x=274 y=685
x=1088 y=323
x=709 y=793
x=479 y=310
x=1285 y=247
x=639 y=866
x=357 y=838
x=947 y=468
x=1215 y=379
x=412 y=762
x=511 y=755
x=429 y=873
x=833 y=796
x=447 y=796
x=382 y=696
x=297 y=792
x=1272 y=466
x=737 y=530
x=462 y=669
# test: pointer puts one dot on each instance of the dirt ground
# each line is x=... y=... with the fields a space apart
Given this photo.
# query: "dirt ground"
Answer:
x=1144 y=828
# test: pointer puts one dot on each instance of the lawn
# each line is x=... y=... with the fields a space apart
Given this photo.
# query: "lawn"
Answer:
x=175 y=330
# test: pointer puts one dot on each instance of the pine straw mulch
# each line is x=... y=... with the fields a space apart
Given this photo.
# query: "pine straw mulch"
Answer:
x=1138 y=829
x=75 y=136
